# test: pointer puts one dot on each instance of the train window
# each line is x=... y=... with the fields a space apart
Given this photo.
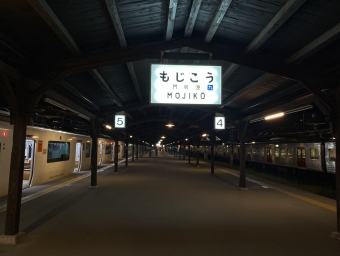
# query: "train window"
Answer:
x=58 y=151
x=277 y=152
x=301 y=152
x=108 y=149
x=314 y=153
x=290 y=152
x=262 y=151
x=283 y=152
x=254 y=151
x=332 y=154
x=88 y=150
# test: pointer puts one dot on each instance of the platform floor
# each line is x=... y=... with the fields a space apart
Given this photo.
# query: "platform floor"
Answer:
x=165 y=206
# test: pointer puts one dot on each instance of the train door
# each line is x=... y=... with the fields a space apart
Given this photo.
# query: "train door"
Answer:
x=100 y=153
x=301 y=157
x=28 y=163
x=269 y=155
x=78 y=156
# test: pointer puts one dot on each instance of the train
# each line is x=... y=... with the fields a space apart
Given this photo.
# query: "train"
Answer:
x=311 y=156
x=52 y=154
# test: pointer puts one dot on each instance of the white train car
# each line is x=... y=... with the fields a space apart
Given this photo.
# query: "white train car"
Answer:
x=51 y=154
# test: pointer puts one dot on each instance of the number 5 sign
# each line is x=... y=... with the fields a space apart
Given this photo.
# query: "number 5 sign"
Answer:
x=219 y=122
x=119 y=121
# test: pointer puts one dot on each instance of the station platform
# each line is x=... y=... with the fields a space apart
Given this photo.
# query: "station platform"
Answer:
x=165 y=206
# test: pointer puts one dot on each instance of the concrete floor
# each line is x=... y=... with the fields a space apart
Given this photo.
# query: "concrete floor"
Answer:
x=165 y=206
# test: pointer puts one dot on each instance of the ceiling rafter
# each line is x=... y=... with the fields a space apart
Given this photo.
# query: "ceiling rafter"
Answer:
x=101 y=81
x=45 y=11
x=316 y=45
x=171 y=19
x=290 y=7
x=195 y=7
x=218 y=17
x=253 y=84
x=215 y=23
x=113 y=10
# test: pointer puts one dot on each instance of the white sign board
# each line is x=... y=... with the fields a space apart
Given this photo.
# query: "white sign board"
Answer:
x=186 y=84
x=119 y=121
x=219 y=122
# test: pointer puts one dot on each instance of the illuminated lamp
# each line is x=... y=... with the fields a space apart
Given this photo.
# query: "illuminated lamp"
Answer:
x=274 y=116
x=4 y=134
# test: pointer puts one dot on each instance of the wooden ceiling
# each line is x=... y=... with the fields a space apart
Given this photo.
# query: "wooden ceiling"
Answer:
x=93 y=57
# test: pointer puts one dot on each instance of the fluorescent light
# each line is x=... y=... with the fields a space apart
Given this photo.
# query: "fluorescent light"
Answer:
x=108 y=127
x=59 y=105
x=299 y=109
x=274 y=116
x=170 y=125
x=163 y=137
x=55 y=103
x=204 y=135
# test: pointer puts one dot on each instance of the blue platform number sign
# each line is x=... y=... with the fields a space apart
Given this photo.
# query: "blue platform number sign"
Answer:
x=210 y=87
x=219 y=122
x=119 y=121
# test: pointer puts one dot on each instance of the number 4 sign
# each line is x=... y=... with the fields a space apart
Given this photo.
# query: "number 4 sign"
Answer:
x=219 y=122
x=119 y=121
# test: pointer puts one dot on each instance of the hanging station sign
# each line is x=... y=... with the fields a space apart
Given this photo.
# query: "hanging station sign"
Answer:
x=120 y=121
x=186 y=84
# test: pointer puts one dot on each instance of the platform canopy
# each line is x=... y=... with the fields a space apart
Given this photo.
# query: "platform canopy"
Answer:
x=92 y=59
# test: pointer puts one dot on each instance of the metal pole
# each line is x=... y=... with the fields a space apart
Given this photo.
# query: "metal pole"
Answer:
x=94 y=126
x=133 y=152
x=137 y=150
x=212 y=152
x=242 y=183
x=116 y=151
x=126 y=152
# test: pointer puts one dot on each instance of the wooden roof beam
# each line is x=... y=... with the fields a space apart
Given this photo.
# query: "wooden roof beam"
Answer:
x=195 y=7
x=47 y=14
x=249 y=86
x=290 y=7
x=317 y=44
x=100 y=80
x=171 y=20
x=45 y=11
x=191 y=23
x=113 y=10
x=218 y=17
x=279 y=19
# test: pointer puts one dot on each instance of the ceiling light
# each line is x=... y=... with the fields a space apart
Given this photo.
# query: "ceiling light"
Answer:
x=204 y=135
x=274 y=116
x=170 y=125
x=108 y=127
x=163 y=137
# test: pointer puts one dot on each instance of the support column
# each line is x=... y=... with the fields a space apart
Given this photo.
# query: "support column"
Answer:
x=189 y=153
x=212 y=152
x=197 y=153
x=133 y=151
x=94 y=128
x=184 y=150
x=335 y=129
x=22 y=105
x=126 y=152
x=116 y=151
x=137 y=150
x=231 y=148
x=242 y=184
